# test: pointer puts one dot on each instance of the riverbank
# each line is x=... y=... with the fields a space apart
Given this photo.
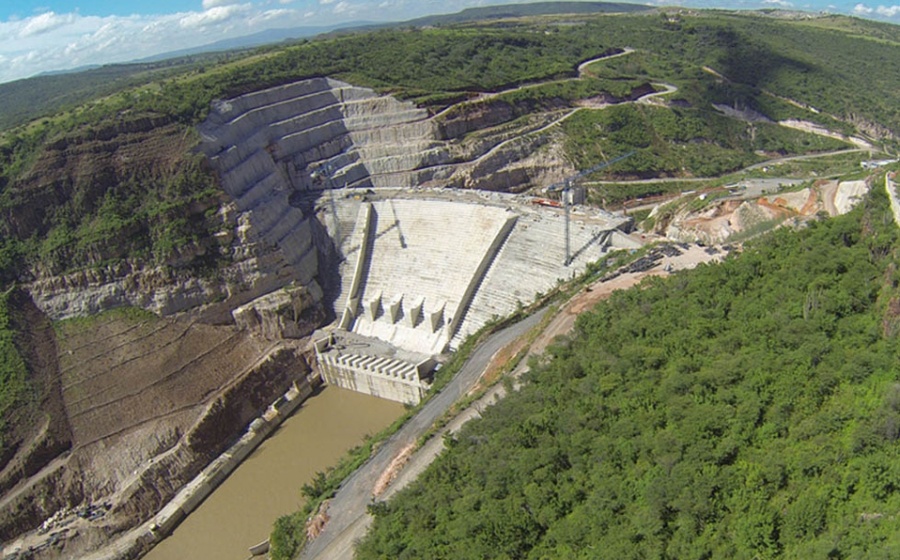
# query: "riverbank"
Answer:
x=242 y=511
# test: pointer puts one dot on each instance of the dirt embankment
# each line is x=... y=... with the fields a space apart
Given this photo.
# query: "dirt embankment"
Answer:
x=147 y=403
x=730 y=218
x=39 y=431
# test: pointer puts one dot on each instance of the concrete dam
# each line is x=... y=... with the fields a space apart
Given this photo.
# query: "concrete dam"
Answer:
x=420 y=268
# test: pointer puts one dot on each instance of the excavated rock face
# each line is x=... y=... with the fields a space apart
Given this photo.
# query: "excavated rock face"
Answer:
x=721 y=220
x=287 y=313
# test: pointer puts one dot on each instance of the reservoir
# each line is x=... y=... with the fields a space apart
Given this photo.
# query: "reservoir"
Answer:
x=241 y=512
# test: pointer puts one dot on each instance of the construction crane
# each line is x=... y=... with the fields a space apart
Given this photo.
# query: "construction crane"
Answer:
x=565 y=186
x=325 y=174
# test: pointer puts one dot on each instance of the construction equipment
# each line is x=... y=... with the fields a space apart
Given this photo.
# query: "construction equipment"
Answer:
x=564 y=188
x=324 y=174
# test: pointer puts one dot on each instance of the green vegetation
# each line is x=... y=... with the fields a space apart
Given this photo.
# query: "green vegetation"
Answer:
x=747 y=410
x=14 y=383
x=615 y=194
x=679 y=141
x=838 y=165
x=127 y=314
x=762 y=58
x=569 y=91
x=146 y=216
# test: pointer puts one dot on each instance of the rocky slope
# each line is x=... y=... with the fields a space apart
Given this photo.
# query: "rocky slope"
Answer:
x=146 y=403
x=735 y=218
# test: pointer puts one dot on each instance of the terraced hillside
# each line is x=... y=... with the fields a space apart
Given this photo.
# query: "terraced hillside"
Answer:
x=148 y=402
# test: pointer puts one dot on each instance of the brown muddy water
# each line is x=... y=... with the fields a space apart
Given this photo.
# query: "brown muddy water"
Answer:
x=240 y=513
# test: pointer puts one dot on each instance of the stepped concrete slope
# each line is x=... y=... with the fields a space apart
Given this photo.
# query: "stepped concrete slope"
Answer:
x=532 y=261
x=282 y=135
x=424 y=256
x=424 y=269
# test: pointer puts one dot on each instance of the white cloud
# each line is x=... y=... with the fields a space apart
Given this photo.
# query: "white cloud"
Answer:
x=343 y=7
x=269 y=15
x=45 y=23
x=215 y=15
x=888 y=11
x=782 y=3
x=209 y=4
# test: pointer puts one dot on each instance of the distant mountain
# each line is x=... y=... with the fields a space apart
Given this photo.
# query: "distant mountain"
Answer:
x=522 y=10
x=508 y=11
x=266 y=37
x=68 y=71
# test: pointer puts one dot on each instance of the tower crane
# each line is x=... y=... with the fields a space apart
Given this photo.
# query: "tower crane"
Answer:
x=324 y=174
x=563 y=187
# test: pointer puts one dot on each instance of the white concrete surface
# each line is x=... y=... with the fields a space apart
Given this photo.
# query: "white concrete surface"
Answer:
x=424 y=255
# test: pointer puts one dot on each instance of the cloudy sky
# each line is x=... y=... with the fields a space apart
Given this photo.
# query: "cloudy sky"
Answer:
x=46 y=35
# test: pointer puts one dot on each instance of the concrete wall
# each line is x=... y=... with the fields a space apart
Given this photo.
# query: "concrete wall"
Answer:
x=382 y=377
x=197 y=490
x=364 y=226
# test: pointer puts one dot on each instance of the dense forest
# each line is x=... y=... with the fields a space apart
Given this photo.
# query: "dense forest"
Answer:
x=746 y=410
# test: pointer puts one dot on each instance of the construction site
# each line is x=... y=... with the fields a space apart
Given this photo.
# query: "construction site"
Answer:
x=420 y=268
x=368 y=240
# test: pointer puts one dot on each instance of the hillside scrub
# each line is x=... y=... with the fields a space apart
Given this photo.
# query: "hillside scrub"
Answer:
x=14 y=383
x=680 y=141
x=745 y=410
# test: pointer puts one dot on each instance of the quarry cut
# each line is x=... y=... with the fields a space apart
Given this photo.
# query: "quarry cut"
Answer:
x=420 y=268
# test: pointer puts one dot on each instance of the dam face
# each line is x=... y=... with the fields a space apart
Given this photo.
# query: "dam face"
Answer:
x=420 y=269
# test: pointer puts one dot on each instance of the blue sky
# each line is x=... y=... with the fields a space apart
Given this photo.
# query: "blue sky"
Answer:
x=47 y=35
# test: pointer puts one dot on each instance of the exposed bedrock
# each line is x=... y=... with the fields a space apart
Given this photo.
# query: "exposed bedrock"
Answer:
x=268 y=144
x=139 y=470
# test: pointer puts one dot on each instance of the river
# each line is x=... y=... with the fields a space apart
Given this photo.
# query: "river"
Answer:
x=240 y=513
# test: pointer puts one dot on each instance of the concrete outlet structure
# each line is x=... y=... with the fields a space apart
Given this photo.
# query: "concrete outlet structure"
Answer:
x=423 y=269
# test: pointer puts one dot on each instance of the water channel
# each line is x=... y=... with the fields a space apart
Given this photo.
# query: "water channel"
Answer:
x=240 y=513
